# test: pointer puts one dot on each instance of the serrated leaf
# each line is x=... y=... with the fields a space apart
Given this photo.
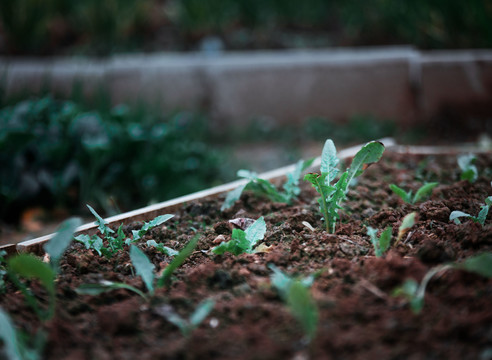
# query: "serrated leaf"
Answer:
x=255 y=232
x=143 y=267
x=480 y=264
x=103 y=228
x=329 y=161
x=370 y=153
x=156 y=222
x=57 y=245
x=424 y=191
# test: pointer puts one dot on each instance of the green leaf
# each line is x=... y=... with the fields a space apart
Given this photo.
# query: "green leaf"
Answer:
x=405 y=196
x=105 y=286
x=143 y=267
x=329 y=161
x=201 y=312
x=385 y=239
x=163 y=249
x=255 y=232
x=232 y=197
x=303 y=307
x=157 y=221
x=407 y=222
x=480 y=264
x=8 y=335
x=424 y=191
x=177 y=261
x=410 y=290
x=469 y=171
x=482 y=215
x=57 y=245
x=103 y=228
x=370 y=153
x=91 y=242
x=30 y=267
x=457 y=214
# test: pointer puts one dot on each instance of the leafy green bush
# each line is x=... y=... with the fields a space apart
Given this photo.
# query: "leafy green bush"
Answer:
x=58 y=153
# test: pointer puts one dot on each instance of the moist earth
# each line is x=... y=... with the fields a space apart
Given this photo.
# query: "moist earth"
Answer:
x=359 y=318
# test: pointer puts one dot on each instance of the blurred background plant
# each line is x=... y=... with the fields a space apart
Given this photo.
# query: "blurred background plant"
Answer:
x=62 y=156
x=104 y=27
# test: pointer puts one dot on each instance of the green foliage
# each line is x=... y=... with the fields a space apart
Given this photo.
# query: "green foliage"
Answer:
x=114 y=244
x=60 y=154
x=295 y=293
x=382 y=243
x=423 y=192
x=163 y=249
x=480 y=218
x=264 y=188
x=469 y=171
x=186 y=326
x=14 y=344
x=333 y=194
x=30 y=267
x=243 y=241
x=61 y=240
x=145 y=269
x=415 y=293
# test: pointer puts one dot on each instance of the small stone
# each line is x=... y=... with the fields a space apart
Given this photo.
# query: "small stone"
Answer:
x=219 y=239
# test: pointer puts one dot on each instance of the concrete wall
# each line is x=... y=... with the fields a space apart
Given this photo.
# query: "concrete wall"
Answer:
x=396 y=83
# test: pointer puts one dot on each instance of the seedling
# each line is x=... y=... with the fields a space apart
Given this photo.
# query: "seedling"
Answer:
x=332 y=195
x=163 y=249
x=145 y=269
x=263 y=187
x=415 y=293
x=96 y=243
x=469 y=171
x=295 y=293
x=243 y=241
x=382 y=243
x=482 y=215
x=14 y=344
x=423 y=192
x=31 y=268
x=186 y=326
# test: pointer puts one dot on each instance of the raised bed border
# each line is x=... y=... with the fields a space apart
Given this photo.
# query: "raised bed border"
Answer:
x=149 y=212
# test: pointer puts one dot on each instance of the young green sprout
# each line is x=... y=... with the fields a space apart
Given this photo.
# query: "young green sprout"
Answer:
x=96 y=243
x=29 y=267
x=145 y=269
x=382 y=243
x=265 y=188
x=423 y=192
x=332 y=194
x=480 y=218
x=469 y=171
x=186 y=326
x=243 y=241
x=415 y=292
x=295 y=293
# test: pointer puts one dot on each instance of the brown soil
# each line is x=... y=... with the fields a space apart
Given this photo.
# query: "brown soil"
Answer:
x=359 y=318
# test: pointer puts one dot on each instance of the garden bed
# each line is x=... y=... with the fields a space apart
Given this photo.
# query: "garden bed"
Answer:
x=359 y=318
